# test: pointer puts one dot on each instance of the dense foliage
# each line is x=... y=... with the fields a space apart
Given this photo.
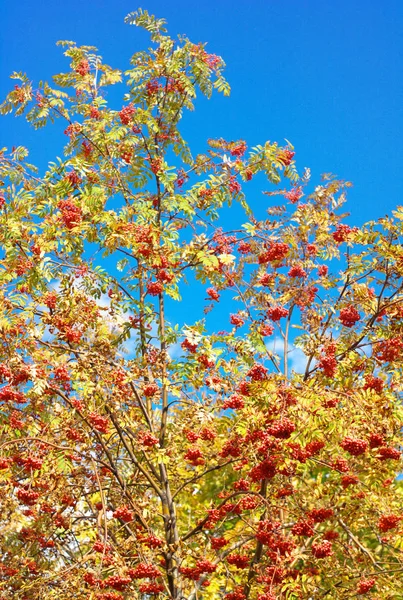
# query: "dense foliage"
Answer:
x=145 y=459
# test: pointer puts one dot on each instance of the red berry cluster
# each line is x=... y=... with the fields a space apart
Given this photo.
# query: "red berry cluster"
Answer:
x=348 y=480
x=83 y=68
x=117 y=582
x=294 y=195
x=144 y=571
x=194 y=456
x=150 y=389
x=101 y=547
x=214 y=295
x=73 y=178
x=237 y=594
x=275 y=313
x=389 y=350
x=240 y=561
x=244 y=248
x=267 y=280
x=304 y=527
x=266 y=329
x=387 y=522
x=281 y=429
x=71 y=215
x=147 y=439
x=318 y=515
x=237 y=320
x=231 y=448
x=349 y=316
x=238 y=149
x=264 y=470
x=297 y=271
x=150 y=588
x=126 y=114
x=28 y=497
x=218 y=542
x=257 y=372
x=322 y=549
x=152 y=541
x=188 y=345
x=154 y=288
x=386 y=453
x=123 y=513
x=354 y=446
x=235 y=402
x=94 y=112
x=100 y=423
x=23 y=265
x=73 y=129
x=365 y=585
x=328 y=361
x=373 y=383
x=342 y=233
x=204 y=360
x=234 y=186
x=285 y=157
x=276 y=252
x=7 y=394
x=156 y=165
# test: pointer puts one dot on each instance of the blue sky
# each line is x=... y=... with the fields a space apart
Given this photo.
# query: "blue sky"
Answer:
x=325 y=75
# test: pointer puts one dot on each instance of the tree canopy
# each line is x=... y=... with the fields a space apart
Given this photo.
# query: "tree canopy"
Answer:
x=143 y=458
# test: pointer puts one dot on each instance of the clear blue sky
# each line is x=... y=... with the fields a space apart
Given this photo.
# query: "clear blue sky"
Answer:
x=325 y=74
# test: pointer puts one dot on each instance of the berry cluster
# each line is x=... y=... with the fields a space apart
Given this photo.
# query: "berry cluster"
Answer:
x=349 y=316
x=238 y=149
x=150 y=389
x=147 y=439
x=240 y=561
x=322 y=549
x=126 y=114
x=194 y=456
x=213 y=294
x=275 y=313
x=123 y=513
x=294 y=195
x=281 y=429
x=235 y=402
x=144 y=571
x=343 y=232
x=83 y=68
x=99 y=423
x=276 y=252
x=285 y=157
x=297 y=271
x=28 y=497
x=328 y=361
x=354 y=446
x=365 y=585
x=304 y=527
x=117 y=582
x=218 y=542
x=154 y=288
x=387 y=522
x=237 y=320
x=257 y=372
x=71 y=215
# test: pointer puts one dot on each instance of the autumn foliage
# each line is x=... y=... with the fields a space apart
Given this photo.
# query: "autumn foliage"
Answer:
x=141 y=457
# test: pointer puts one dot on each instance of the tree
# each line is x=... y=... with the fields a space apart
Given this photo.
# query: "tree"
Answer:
x=143 y=459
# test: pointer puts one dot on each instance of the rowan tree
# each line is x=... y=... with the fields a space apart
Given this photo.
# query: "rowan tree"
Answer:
x=143 y=458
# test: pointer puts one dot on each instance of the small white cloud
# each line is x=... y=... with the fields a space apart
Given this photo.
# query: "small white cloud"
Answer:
x=296 y=357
